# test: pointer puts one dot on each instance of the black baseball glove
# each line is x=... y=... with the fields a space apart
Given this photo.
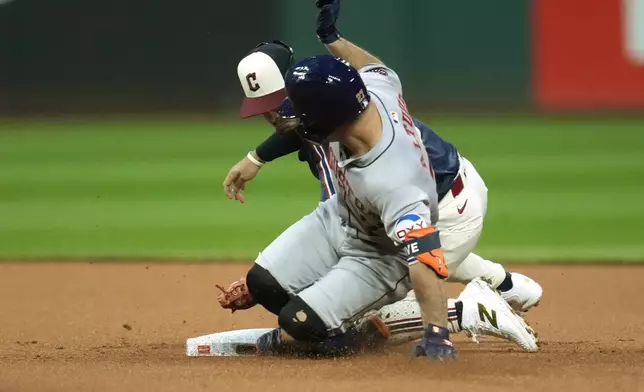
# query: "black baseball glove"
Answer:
x=327 y=17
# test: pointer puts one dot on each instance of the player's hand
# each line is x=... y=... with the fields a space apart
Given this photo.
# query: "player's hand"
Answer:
x=238 y=177
x=327 y=18
x=435 y=344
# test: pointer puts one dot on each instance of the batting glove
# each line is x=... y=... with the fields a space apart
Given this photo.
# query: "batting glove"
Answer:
x=327 y=17
x=435 y=344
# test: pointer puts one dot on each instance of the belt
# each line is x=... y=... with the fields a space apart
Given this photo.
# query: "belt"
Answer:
x=457 y=186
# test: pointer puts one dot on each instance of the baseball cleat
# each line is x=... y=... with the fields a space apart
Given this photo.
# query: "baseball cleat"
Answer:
x=271 y=343
x=524 y=294
x=486 y=313
x=403 y=319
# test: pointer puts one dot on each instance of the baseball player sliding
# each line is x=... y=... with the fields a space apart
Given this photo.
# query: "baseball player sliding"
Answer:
x=357 y=250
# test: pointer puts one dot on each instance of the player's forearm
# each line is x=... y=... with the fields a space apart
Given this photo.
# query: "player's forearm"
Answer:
x=355 y=55
x=278 y=145
x=430 y=294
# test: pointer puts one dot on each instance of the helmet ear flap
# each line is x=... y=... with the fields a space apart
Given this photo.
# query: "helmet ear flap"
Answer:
x=310 y=131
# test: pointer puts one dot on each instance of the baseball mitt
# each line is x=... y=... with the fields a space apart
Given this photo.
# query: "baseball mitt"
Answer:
x=236 y=297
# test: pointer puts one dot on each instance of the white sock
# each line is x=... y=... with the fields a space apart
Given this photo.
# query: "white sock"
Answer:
x=474 y=266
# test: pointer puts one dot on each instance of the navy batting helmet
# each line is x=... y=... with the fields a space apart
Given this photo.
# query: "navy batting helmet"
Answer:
x=326 y=92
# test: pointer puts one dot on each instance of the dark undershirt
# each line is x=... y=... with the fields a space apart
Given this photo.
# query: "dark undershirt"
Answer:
x=278 y=145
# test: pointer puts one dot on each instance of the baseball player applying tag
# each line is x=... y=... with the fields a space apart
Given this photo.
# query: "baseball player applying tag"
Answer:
x=377 y=234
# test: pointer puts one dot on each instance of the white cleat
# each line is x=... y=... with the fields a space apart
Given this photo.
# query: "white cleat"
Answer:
x=524 y=294
x=485 y=313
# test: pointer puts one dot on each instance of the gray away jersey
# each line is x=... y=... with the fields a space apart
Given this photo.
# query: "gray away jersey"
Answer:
x=390 y=190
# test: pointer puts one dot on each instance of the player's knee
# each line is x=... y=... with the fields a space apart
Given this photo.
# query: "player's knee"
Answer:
x=265 y=289
x=301 y=322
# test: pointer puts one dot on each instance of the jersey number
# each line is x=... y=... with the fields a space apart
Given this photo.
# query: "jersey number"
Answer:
x=408 y=124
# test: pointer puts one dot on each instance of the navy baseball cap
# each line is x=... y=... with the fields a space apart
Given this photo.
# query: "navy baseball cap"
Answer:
x=261 y=74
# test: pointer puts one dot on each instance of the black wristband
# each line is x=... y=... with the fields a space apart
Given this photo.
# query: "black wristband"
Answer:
x=329 y=37
x=278 y=145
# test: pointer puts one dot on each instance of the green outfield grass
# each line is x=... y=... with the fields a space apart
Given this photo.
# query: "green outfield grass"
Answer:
x=566 y=189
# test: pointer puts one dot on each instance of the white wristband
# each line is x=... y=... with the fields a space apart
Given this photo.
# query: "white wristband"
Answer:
x=255 y=161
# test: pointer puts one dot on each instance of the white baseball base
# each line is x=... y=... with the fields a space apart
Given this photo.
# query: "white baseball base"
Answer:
x=235 y=343
x=403 y=319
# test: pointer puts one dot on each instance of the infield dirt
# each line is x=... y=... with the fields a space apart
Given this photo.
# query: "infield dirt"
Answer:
x=122 y=327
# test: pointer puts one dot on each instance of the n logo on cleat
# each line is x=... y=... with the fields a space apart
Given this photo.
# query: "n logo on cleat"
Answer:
x=484 y=314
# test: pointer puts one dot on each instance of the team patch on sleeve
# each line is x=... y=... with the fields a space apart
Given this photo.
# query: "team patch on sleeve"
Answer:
x=408 y=223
